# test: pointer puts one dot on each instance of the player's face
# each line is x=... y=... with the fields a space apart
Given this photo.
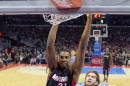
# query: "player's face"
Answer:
x=91 y=80
x=64 y=59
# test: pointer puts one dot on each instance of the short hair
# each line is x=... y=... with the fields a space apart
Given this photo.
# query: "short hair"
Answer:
x=97 y=76
x=65 y=51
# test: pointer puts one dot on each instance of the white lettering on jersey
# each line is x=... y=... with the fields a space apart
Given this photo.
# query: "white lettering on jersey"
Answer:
x=60 y=78
x=106 y=56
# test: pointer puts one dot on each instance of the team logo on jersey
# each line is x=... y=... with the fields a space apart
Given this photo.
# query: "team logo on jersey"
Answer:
x=60 y=78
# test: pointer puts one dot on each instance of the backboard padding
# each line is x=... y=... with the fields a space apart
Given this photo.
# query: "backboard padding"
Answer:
x=45 y=6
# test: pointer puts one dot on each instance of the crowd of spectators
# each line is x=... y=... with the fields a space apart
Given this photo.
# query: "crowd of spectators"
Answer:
x=37 y=19
x=30 y=40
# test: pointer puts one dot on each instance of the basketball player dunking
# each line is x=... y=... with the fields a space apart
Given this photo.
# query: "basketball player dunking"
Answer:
x=60 y=73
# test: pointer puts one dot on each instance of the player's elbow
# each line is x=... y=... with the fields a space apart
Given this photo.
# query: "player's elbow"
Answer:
x=48 y=48
x=82 y=48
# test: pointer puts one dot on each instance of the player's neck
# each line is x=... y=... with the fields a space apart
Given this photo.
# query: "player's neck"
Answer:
x=63 y=69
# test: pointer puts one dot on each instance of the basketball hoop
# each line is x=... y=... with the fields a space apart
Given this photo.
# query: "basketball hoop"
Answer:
x=57 y=19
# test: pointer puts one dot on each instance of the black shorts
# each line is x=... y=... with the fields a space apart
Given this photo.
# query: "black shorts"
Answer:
x=106 y=67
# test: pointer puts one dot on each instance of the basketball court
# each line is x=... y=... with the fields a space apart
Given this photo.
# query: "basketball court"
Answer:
x=27 y=75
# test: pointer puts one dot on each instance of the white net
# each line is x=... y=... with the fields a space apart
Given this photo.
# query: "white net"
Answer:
x=57 y=19
x=96 y=37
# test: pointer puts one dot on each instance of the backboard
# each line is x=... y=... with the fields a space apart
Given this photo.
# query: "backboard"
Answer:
x=100 y=29
x=45 y=6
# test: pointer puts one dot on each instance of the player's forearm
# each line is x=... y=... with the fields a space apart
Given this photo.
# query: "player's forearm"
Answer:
x=52 y=35
x=85 y=36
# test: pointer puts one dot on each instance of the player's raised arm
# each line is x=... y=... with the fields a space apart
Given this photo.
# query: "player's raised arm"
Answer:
x=50 y=48
x=111 y=59
x=76 y=67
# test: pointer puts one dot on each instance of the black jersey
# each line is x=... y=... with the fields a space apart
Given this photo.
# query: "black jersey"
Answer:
x=57 y=78
x=106 y=59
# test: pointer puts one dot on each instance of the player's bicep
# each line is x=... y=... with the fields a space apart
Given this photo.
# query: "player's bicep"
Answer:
x=76 y=67
x=80 y=56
